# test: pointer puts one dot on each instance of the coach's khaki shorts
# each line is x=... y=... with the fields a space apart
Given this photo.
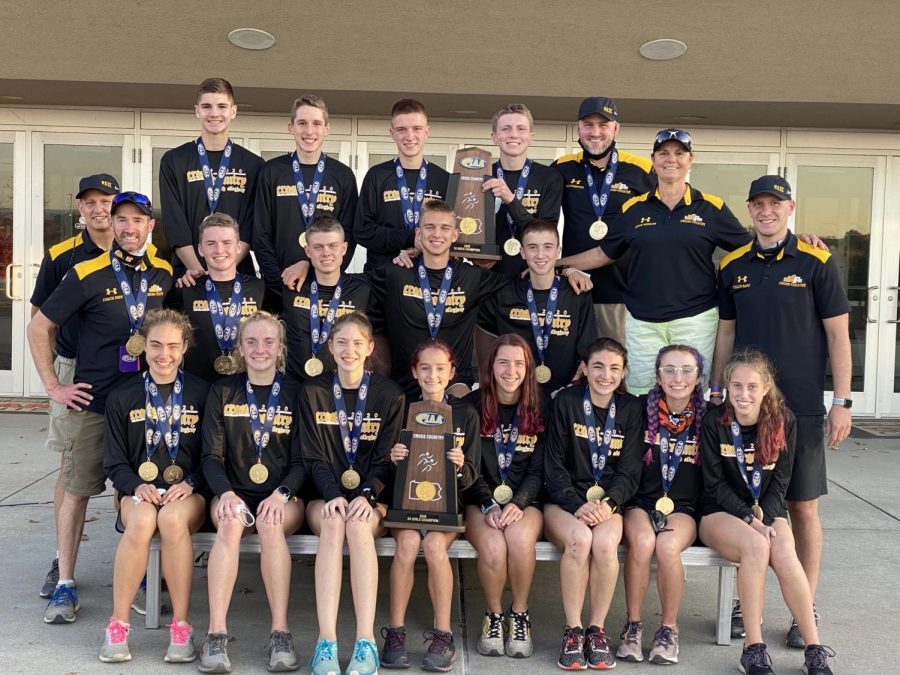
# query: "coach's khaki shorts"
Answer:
x=83 y=474
x=62 y=430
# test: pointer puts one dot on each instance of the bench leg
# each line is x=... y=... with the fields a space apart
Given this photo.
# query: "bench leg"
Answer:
x=723 y=615
x=154 y=574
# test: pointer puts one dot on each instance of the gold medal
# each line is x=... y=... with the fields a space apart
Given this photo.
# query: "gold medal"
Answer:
x=512 y=246
x=595 y=493
x=135 y=345
x=598 y=229
x=313 y=366
x=503 y=494
x=259 y=474
x=173 y=474
x=468 y=225
x=426 y=491
x=302 y=239
x=148 y=471
x=757 y=512
x=665 y=505
x=350 y=479
x=542 y=374
x=225 y=364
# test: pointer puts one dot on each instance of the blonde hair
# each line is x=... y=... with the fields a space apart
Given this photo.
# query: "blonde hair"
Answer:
x=270 y=318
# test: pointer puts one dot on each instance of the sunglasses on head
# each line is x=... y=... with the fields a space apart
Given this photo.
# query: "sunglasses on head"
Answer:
x=672 y=135
x=135 y=197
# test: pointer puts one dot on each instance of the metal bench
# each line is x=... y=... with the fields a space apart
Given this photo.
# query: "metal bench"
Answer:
x=308 y=544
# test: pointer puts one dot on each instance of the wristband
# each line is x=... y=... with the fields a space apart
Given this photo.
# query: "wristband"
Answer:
x=489 y=506
x=610 y=503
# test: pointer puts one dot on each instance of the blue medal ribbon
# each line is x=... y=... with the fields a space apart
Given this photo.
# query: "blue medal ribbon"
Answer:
x=542 y=333
x=670 y=461
x=520 y=191
x=136 y=303
x=225 y=322
x=599 y=451
x=261 y=421
x=350 y=437
x=434 y=313
x=308 y=204
x=754 y=483
x=157 y=424
x=506 y=451
x=319 y=329
x=599 y=201
x=214 y=181
x=411 y=204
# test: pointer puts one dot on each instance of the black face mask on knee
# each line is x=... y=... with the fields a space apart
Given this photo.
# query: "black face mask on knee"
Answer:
x=592 y=156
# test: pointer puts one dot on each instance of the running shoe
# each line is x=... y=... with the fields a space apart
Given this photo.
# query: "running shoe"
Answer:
x=793 y=638
x=115 y=642
x=324 y=660
x=571 y=653
x=51 y=580
x=597 y=649
x=62 y=606
x=664 y=650
x=441 y=652
x=490 y=643
x=181 y=643
x=280 y=650
x=755 y=660
x=630 y=649
x=214 y=655
x=737 y=620
x=815 y=660
x=394 y=653
x=365 y=658
x=519 y=644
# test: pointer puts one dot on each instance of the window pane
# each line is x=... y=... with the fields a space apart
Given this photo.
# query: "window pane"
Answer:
x=6 y=252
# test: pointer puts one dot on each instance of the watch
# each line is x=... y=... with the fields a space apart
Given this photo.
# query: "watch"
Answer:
x=842 y=402
x=284 y=492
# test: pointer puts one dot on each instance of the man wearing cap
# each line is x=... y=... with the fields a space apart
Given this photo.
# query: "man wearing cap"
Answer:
x=599 y=179
x=95 y=196
x=785 y=297
x=108 y=295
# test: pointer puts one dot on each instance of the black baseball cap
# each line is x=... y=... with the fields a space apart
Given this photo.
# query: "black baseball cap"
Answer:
x=99 y=181
x=598 y=105
x=773 y=185
x=677 y=135
x=136 y=198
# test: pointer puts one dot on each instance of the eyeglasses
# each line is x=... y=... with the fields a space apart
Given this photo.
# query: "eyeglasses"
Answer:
x=672 y=371
x=135 y=197
x=666 y=135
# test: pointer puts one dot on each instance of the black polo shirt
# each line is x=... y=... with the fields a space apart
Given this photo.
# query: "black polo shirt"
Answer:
x=182 y=196
x=59 y=260
x=633 y=177
x=192 y=301
x=542 y=199
x=573 y=329
x=379 y=224
x=356 y=296
x=778 y=302
x=92 y=295
x=671 y=274
x=278 y=222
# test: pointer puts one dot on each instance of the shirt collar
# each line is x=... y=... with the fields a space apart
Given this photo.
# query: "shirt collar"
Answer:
x=788 y=248
x=128 y=259
x=686 y=200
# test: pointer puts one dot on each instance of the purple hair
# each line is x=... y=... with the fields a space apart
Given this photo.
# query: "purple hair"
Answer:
x=698 y=402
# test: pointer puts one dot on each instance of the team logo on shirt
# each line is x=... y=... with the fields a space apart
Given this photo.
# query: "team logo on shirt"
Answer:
x=740 y=281
x=394 y=195
x=190 y=418
x=235 y=180
x=326 y=199
x=456 y=299
x=524 y=444
x=615 y=441
x=284 y=417
x=371 y=425
x=690 y=453
x=248 y=306
x=530 y=201
x=793 y=281
x=620 y=187
x=646 y=221
x=693 y=219
x=111 y=292
x=575 y=183
x=562 y=320
x=302 y=302
x=727 y=450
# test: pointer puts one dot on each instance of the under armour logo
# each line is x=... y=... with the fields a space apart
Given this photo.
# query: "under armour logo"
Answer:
x=111 y=291
x=645 y=220
x=742 y=279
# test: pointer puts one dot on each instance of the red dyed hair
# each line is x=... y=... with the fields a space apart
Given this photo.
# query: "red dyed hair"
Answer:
x=531 y=422
x=770 y=437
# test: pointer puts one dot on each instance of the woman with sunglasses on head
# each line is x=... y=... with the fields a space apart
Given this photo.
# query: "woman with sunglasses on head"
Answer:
x=593 y=466
x=433 y=367
x=252 y=463
x=349 y=420
x=661 y=518
x=153 y=459
x=675 y=228
x=747 y=449
x=503 y=514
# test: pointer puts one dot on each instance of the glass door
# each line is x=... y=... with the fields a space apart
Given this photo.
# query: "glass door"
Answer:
x=888 y=315
x=58 y=162
x=13 y=269
x=841 y=199
x=728 y=175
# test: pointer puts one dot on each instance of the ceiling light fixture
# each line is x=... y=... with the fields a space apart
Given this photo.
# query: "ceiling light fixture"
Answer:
x=12 y=98
x=464 y=112
x=251 y=38
x=664 y=49
x=690 y=118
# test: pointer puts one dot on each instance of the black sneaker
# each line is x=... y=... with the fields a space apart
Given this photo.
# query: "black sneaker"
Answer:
x=815 y=660
x=571 y=654
x=793 y=639
x=755 y=660
x=394 y=653
x=51 y=580
x=441 y=652
x=737 y=620
x=598 y=650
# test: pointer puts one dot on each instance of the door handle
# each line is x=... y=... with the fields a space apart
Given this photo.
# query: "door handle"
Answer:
x=869 y=300
x=896 y=302
x=8 y=289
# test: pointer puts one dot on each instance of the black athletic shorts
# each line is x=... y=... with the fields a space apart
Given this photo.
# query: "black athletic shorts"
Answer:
x=808 y=478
